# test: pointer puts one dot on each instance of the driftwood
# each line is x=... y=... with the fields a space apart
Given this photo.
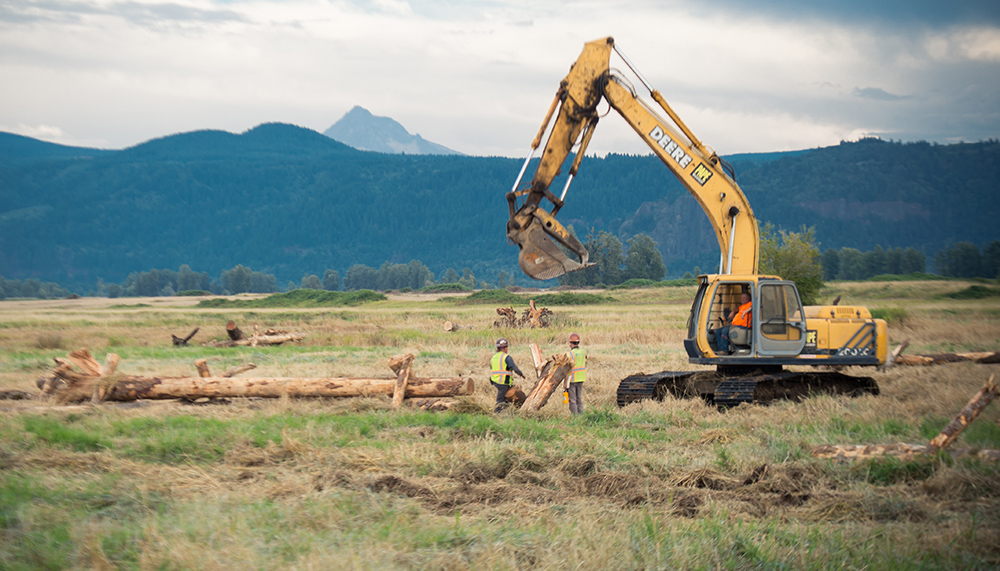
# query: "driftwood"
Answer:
x=531 y=317
x=233 y=331
x=435 y=404
x=898 y=451
x=537 y=360
x=78 y=386
x=557 y=370
x=979 y=401
x=183 y=341
x=982 y=357
x=269 y=337
x=240 y=369
x=401 y=366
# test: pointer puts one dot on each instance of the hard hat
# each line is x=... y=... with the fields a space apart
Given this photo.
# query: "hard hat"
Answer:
x=501 y=342
x=574 y=338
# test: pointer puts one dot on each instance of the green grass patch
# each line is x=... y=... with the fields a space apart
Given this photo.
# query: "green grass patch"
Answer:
x=569 y=298
x=914 y=277
x=888 y=471
x=492 y=296
x=893 y=315
x=59 y=433
x=974 y=292
x=300 y=298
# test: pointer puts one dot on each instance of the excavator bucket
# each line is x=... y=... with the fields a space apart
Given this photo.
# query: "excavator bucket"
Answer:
x=539 y=235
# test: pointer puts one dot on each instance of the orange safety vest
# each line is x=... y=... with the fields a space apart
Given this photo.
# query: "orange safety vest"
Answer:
x=742 y=318
x=578 y=373
x=498 y=369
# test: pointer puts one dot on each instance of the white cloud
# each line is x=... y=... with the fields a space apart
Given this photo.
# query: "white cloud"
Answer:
x=477 y=77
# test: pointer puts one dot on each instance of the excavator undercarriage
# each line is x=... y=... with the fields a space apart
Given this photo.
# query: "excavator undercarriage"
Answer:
x=730 y=386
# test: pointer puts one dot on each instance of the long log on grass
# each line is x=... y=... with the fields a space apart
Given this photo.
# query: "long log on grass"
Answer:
x=979 y=401
x=261 y=339
x=897 y=451
x=982 y=358
x=93 y=383
x=129 y=388
x=557 y=371
x=976 y=405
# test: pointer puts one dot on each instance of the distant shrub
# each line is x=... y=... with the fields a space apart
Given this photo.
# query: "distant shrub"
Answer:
x=492 y=296
x=49 y=341
x=974 y=292
x=300 y=298
x=445 y=288
x=193 y=292
x=914 y=277
x=569 y=298
x=896 y=315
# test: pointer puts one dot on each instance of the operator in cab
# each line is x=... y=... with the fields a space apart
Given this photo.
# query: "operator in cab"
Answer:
x=738 y=317
x=501 y=367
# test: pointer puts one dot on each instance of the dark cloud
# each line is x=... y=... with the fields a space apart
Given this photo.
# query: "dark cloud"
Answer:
x=891 y=13
x=877 y=94
x=21 y=11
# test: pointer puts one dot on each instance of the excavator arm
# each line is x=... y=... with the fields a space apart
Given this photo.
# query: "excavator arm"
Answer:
x=544 y=242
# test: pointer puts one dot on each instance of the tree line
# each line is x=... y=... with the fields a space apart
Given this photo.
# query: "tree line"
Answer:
x=792 y=255
x=614 y=264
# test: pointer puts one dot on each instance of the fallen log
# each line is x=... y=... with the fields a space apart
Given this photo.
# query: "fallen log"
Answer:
x=76 y=386
x=128 y=388
x=543 y=389
x=202 y=366
x=240 y=369
x=401 y=366
x=982 y=358
x=233 y=331
x=976 y=405
x=537 y=360
x=898 y=451
x=257 y=340
x=979 y=401
x=183 y=340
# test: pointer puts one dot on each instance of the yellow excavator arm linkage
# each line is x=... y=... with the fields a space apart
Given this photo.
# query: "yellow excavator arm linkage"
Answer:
x=539 y=235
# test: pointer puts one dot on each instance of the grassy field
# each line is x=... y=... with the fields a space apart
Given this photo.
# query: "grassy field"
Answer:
x=351 y=484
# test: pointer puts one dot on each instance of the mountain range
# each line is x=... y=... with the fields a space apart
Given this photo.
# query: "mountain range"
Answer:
x=290 y=201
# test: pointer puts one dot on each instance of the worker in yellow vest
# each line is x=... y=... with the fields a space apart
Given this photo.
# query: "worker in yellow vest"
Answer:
x=573 y=383
x=501 y=367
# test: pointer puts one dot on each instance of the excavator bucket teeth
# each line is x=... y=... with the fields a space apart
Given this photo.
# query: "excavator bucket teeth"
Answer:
x=540 y=257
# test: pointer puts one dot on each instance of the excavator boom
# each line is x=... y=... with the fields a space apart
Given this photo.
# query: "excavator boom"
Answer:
x=546 y=246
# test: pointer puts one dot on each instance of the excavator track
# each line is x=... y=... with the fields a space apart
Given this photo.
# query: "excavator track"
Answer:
x=733 y=387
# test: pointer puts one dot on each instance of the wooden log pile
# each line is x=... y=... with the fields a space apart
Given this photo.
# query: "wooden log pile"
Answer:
x=532 y=317
x=90 y=380
x=269 y=336
x=976 y=405
x=981 y=357
x=551 y=373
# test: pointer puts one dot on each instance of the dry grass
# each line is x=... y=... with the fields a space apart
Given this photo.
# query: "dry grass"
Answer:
x=351 y=484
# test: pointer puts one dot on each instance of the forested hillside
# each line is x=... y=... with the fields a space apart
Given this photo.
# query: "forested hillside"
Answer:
x=290 y=201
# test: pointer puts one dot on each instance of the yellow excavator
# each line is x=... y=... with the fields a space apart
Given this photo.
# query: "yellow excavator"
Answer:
x=781 y=333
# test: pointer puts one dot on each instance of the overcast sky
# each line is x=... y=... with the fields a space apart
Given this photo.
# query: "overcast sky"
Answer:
x=478 y=76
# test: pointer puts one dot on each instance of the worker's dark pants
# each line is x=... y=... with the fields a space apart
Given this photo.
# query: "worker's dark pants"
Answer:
x=501 y=396
x=576 y=398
